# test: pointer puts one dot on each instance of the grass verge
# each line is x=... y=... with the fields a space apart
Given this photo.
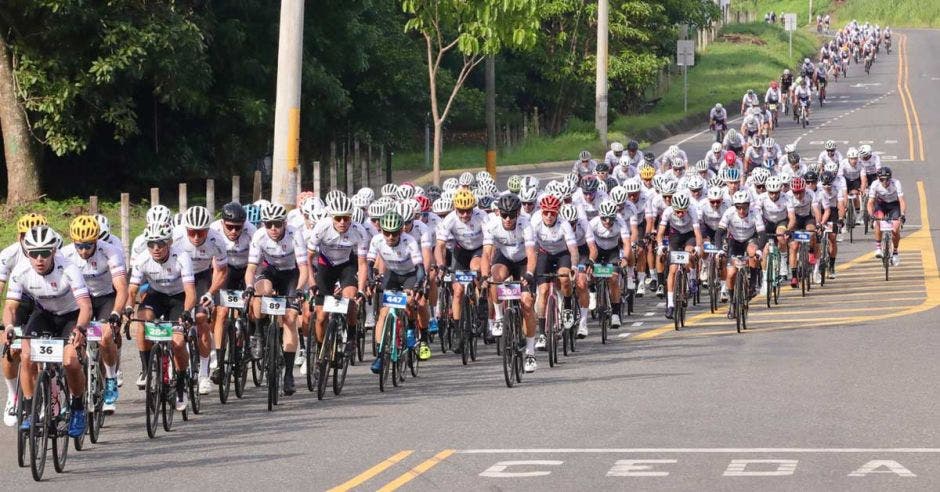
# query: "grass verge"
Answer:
x=895 y=13
x=727 y=69
x=60 y=213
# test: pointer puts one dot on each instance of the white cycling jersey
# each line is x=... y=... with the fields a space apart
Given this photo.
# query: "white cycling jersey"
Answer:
x=828 y=198
x=285 y=254
x=741 y=228
x=510 y=243
x=236 y=251
x=467 y=235
x=687 y=223
x=167 y=277
x=402 y=258
x=9 y=258
x=552 y=239
x=613 y=159
x=655 y=206
x=584 y=168
x=872 y=165
x=116 y=242
x=100 y=269
x=203 y=256
x=422 y=233
x=56 y=291
x=296 y=218
x=886 y=194
x=709 y=215
x=607 y=237
x=851 y=172
x=336 y=248
x=774 y=210
x=805 y=205
x=138 y=245
x=824 y=158
x=582 y=231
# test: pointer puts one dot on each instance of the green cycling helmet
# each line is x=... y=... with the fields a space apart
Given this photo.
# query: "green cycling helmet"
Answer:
x=514 y=184
x=391 y=222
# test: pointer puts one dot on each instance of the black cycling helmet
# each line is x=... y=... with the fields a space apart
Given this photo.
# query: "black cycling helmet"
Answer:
x=602 y=167
x=433 y=189
x=611 y=182
x=633 y=145
x=827 y=178
x=234 y=212
x=811 y=177
x=649 y=157
x=793 y=158
x=884 y=172
x=589 y=184
x=509 y=204
x=485 y=202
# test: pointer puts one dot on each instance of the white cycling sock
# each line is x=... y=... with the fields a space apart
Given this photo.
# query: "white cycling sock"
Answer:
x=530 y=345
x=584 y=316
x=109 y=371
x=641 y=276
x=203 y=366
x=11 y=387
x=497 y=312
x=670 y=300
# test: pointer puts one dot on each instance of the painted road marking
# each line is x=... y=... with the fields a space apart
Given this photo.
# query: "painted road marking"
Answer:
x=416 y=471
x=833 y=450
x=371 y=472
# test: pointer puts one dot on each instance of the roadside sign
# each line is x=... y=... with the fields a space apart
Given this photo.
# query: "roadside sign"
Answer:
x=685 y=53
x=789 y=22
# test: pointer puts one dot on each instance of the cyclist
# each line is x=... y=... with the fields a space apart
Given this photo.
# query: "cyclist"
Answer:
x=786 y=82
x=886 y=202
x=423 y=235
x=807 y=69
x=588 y=196
x=654 y=210
x=830 y=155
x=829 y=198
x=805 y=209
x=717 y=117
x=11 y=257
x=509 y=252
x=558 y=252
x=774 y=95
x=612 y=238
x=634 y=157
x=62 y=308
x=744 y=229
x=711 y=209
x=631 y=201
x=749 y=101
x=207 y=253
x=587 y=251
x=778 y=214
x=871 y=163
x=156 y=213
x=733 y=141
x=280 y=248
x=682 y=221
x=236 y=232
x=584 y=165
x=802 y=98
x=404 y=271
x=171 y=296
x=105 y=276
x=612 y=157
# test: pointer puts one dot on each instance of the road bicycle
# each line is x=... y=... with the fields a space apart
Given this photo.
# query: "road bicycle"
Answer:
x=331 y=354
x=680 y=286
x=602 y=274
x=509 y=294
x=803 y=269
x=234 y=351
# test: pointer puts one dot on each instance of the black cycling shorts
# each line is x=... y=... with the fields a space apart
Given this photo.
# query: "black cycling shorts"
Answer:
x=102 y=306
x=394 y=281
x=605 y=256
x=166 y=307
x=328 y=275
x=679 y=240
x=853 y=184
x=804 y=221
x=236 y=278
x=516 y=268
x=891 y=210
x=42 y=322
x=738 y=248
x=772 y=227
x=551 y=263
x=284 y=282
x=462 y=257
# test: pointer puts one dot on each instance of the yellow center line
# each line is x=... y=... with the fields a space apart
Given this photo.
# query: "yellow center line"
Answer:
x=907 y=114
x=919 y=242
x=416 y=471
x=910 y=99
x=371 y=472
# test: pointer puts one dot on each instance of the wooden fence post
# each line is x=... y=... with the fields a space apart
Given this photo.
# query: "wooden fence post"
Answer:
x=316 y=178
x=236 y=189
x=334 y=165
x=210 y=196
x=93 y=204
x=126 y=223
x=154 y=196
x=256 y=187
x=183 y=198
x=361 y=177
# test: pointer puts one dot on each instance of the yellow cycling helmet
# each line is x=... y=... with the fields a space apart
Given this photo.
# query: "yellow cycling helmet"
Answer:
x=464 y=199
x=28 y=221
x=84 y=229
x=647 y=172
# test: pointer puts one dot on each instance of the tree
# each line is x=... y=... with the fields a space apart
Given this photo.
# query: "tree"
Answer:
x=18 y=149
x=475 y=29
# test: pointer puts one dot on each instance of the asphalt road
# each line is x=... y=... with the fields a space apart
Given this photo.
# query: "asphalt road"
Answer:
x=835 y=391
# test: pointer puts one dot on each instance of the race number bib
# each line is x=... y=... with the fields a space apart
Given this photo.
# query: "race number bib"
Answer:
x=158 y=332
x=509 y=292
x=711 y=249
x=603 y=271
x=334 y=305
x=17 y=341
x=679 y=257
x=801 y=236
x=93 y=332
x=232 y=299
x=886 y=225
x=393 y=299
x=46 y=350
x=465 y=277
x=276 y=306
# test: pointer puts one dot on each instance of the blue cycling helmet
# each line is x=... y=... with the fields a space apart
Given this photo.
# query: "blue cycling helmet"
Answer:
x=253 y=212
x=732 y=174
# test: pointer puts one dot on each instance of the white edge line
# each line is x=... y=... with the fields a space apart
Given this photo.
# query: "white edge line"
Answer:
x=697 y=450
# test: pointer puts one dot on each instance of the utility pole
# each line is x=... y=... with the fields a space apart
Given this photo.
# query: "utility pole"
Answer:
x=491 y=114
x=600 y=90
x=287 y=105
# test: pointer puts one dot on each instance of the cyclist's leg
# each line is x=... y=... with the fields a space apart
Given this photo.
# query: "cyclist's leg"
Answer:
x=74 y=371
x=204 y=340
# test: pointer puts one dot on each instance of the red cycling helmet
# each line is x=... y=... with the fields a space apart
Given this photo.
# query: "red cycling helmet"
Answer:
x=424 y=203
x=550 y=203
x=798 y=184
x=730 y=157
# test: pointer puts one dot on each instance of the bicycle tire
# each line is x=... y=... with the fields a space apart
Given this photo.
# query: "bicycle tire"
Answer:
x=96 y=419
x=823 y=261
x=414 y=362
x=60 y=443
x=770 y=277
x=603 y=309
x=737 y=299
x=464 y=330
x=550 y=320
x=341 y=367
x=850 y=220
x=360 y=331
x=22 y=437
x=271 y=364
x=324 y=357
x=509 y=350
x=227 y=349
x=565 y=337
x=385 y=349
x=41 y=422
x=745 y=299
x=192 y=378
x=242 y=355
x=886 y=252
x=154 y=391
x=678 y=290
x=399 y=344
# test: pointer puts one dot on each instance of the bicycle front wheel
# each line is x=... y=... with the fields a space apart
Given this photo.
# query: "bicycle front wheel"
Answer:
x=60 y=422
x=154 y=391
x=508 y=341
x=227 y=348
x=272 y=357
x=41 y=425
x=327 y=351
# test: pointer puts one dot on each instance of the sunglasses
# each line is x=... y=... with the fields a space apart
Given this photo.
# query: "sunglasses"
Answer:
x=274 y=224
x=40 y=253
x=84 y=246
x=716 y=202
x=391 y=234
x=549 y=214
x=197 y=233
x=465 y=211
x=509 y=216
x=156 y=244
x=589 y=194
x=234 y=227
x=343 y=218
x=528 y=204
x=607 y=219
x=742 y=207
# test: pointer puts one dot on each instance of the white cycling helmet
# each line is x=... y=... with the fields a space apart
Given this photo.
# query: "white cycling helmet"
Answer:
x=681 y=201
x=405 y=192
x=670 y=187
x=448 y=195
x=852 y=153
x=741 y=197
x=104 y=226
x=360 y=201
x=441 y=206
x=715 y=193
x=607 y=208
x=695 y=183
x=334 y=195
x=308 y=208
x=197 y=218
x=159 y=214
x=864 y=151
x=358 y=216
x=584 y=156
x=701 y=166
x=530 y=182
x=632 y=186
x=378 y=209
x=41 y=237
x=831 y=167
x=484 y=176
x=366 y=193
x=179 y=219
x=716 y=147
x=273 y=212
x=528 y=195
x=774 y=184
x=616 y=147
x=339 y=206
x=568 y=212
x=758 y=178
x=158 y=232
x=618 y=194
x=389 y=189
x=830 y=145
x=450 y=184
x=407 y=209
x=466 y=179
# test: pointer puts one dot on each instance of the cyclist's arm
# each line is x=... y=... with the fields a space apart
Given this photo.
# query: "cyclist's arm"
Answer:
x=531 y=259
x=219 y=276
x=303 y=277
x=871 y=206
x=362 y=277
x=84 y=310
x=485 y=260
x=573 y=251
x=250 y=274
x=189 y=292
x=311 y=273
x=660 y=233
x=592 y=250
x=120 y=292
x=903 y=203
x=439 y=252
x=131 y=295
x=9 y=312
